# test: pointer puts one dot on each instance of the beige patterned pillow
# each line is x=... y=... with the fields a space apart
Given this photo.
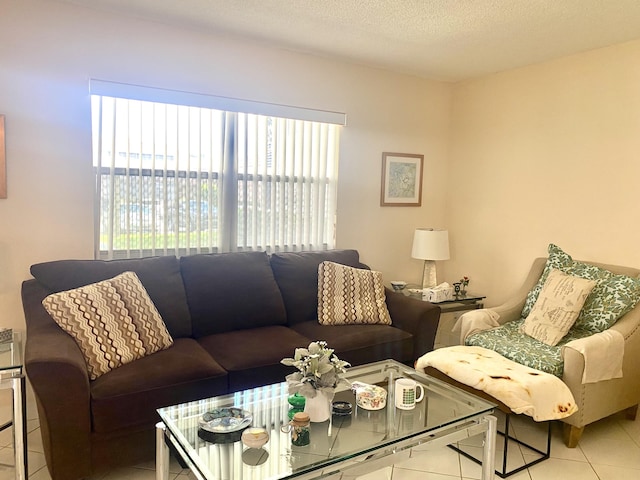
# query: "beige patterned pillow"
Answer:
x=114 y=322
x=349 y=296
x=557 y=307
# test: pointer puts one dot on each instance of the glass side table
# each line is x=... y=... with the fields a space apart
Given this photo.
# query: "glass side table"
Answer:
x=450 y=312
x=11 y=376
x=462 y=303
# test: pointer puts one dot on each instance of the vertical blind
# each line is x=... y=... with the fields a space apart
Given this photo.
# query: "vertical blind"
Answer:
x=182 y=179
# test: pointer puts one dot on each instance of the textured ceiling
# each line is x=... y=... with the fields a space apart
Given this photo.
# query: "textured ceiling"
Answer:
x=447 y=40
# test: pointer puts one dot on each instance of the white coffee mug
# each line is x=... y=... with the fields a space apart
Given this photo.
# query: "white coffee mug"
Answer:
x=407 y=393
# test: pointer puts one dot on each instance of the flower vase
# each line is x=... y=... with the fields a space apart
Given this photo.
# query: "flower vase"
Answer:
x=319 y=407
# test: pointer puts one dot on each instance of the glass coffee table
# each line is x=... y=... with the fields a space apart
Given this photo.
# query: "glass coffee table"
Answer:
x=12 y=376
x=342 y=447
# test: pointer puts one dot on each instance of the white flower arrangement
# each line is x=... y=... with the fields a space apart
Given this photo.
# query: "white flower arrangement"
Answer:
x=318 y=369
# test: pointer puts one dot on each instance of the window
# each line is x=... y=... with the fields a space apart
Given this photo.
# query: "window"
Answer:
x=179 y=177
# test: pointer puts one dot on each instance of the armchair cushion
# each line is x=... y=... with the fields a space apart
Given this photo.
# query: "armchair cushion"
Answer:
x=510 y=343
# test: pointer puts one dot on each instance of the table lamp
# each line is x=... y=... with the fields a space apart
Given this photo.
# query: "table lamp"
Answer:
x=430 y=245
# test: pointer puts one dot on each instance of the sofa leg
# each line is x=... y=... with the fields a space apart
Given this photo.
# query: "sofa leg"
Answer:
x=571 y=435
x=631 y=412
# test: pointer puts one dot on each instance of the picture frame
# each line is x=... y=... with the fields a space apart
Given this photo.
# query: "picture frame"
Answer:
x=3 y=161
x=401 y=180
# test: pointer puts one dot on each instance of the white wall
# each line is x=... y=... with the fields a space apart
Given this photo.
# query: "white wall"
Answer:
x=514 y=161
x=545 y=154
x=49 y=51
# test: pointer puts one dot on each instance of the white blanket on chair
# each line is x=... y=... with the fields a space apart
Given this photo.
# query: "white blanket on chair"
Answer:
x=475 y=321
x=524 y=390
x=602 y=352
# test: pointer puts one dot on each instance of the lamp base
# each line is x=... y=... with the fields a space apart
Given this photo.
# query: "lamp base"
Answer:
x=429 y=274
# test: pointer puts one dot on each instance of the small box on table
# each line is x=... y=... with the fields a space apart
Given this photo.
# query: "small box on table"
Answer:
x=438 y=294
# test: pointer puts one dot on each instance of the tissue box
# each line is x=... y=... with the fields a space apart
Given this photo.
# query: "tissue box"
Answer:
x=437 y=294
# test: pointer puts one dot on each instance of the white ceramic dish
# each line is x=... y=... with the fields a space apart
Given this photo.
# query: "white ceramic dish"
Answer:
x=370 y=397
x=255 y=437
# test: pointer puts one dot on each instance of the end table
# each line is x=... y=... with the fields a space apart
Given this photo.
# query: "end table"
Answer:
x=11 y=376
x=450 y=312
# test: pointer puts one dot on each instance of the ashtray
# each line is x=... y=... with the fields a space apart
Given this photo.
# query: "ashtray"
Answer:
x=225 y=420
x=341 y=408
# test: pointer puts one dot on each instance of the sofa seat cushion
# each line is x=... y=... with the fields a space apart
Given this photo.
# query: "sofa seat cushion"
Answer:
x=509 y=342
x=128 y=396
x=359 y=344
x=297 y=277
x=231 y=291
x=159 y=275
x=252 y=356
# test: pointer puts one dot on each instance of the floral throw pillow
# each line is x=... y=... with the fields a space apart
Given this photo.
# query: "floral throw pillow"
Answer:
x=612 y=297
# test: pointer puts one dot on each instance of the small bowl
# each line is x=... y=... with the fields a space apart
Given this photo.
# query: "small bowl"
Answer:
x=255 y=437
x=398 y=285
x=371 y=397
x=341 y=408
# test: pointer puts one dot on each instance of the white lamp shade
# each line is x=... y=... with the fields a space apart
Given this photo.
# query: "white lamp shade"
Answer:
x=430 y=244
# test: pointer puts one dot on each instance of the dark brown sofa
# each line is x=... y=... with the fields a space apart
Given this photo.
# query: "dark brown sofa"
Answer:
x=232 y=316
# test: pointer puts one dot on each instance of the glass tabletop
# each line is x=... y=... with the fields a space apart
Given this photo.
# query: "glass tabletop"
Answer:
x=468 y=298
x=224 y=456
x=11 y=357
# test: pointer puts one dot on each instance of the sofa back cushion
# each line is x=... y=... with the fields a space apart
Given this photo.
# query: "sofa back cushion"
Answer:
x=231 y=291
x=159 y=275
x=297 y=276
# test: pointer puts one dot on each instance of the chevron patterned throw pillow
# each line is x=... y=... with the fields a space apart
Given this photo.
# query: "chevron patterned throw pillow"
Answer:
x=349 y=296
x=114 y=322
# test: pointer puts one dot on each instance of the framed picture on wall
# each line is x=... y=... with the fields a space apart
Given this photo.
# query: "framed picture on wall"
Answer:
x=401 y=180
x=3 y=160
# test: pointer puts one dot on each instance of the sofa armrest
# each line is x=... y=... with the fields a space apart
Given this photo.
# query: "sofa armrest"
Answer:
x=415 y=316
x=58 y=375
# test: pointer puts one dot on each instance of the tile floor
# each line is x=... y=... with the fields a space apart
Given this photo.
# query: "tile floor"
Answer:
x=608 y=450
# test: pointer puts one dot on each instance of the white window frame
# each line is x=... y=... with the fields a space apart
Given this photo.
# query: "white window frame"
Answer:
x=244 y=182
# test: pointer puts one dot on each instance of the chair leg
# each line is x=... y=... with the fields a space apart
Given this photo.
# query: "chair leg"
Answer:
x=631 y=412
x=571 y=435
